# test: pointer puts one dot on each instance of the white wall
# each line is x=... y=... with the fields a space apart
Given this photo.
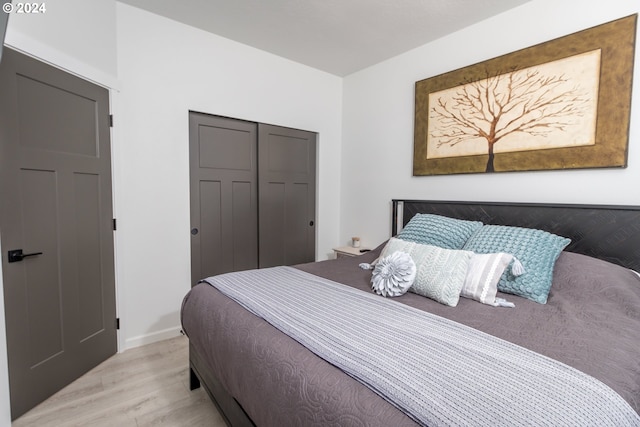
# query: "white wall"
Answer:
x=166 y=69
x=75 y=35
x=377 y=154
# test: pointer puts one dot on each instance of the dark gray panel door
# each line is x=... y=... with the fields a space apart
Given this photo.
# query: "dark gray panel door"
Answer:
x=55 y=184
x=287 y=195
x=224 y=211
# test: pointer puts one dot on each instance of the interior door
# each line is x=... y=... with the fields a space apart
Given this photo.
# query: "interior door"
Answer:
x=224 y=200
x=287 y=195
x=56 y=208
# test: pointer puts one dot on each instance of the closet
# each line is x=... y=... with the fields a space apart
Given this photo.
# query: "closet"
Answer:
x=252 y=190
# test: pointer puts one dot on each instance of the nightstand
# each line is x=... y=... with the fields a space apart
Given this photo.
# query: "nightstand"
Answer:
x=347 y=251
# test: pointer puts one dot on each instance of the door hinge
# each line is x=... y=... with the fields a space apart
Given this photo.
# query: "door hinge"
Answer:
x=110 y=120
x=118 y=323
x=115 y=227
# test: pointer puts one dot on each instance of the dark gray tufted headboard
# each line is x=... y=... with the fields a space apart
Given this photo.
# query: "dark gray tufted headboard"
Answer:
x=611 y=233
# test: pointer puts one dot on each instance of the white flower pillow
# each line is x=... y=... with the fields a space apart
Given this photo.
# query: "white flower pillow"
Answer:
x=393 y=274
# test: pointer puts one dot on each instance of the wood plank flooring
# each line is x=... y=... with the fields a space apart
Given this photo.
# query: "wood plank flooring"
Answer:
x=144 y=386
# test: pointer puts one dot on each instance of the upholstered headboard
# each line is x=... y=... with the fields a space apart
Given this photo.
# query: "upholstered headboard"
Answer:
x=611 y=233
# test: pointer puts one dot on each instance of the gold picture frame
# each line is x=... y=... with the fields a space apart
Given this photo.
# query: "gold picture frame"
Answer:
x=562 y=104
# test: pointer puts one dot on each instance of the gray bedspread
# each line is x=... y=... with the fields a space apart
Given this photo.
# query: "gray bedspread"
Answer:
x=591 y=322
x=383 y=344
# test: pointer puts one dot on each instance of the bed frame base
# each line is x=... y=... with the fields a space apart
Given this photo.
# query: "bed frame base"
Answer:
x=229 y=408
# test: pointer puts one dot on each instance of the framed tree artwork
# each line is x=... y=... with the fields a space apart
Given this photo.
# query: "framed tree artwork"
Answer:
x=563 y=104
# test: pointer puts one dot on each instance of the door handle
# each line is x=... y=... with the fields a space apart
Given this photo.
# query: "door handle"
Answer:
x=16 y=255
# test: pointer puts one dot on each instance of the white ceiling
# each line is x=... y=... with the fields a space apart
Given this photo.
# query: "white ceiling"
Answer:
x=337 y=36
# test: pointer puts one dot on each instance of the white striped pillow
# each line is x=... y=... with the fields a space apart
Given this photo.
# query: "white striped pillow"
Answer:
x=481 y=283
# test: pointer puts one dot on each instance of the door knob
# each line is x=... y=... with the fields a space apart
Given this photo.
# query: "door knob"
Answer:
x=17 y=255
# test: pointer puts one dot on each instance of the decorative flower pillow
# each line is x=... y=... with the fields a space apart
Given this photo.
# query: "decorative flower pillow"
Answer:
x=393 y=274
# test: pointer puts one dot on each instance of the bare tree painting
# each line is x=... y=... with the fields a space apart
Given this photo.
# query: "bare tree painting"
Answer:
x=545 y=106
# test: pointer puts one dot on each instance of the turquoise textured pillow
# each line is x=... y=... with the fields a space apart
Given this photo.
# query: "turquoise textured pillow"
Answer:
x=440 y=272
x=537 y=250
x=437 y=230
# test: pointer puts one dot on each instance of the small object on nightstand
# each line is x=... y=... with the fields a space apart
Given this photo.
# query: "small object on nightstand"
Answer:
x=355 y=242
x=348 y=251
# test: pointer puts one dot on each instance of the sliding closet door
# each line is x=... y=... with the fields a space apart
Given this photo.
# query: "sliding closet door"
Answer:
x=224 y=209
x=287 y=195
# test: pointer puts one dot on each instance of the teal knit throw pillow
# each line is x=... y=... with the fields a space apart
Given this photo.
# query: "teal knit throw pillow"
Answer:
x=437 y=230
x=537 y=250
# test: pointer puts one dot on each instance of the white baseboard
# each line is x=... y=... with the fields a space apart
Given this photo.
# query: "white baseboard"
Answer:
x=151 y=338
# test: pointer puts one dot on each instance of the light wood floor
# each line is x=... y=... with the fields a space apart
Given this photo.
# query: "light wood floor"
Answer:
x=144 y=386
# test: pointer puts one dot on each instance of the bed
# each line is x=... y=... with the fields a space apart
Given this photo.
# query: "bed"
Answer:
x=590 y=323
